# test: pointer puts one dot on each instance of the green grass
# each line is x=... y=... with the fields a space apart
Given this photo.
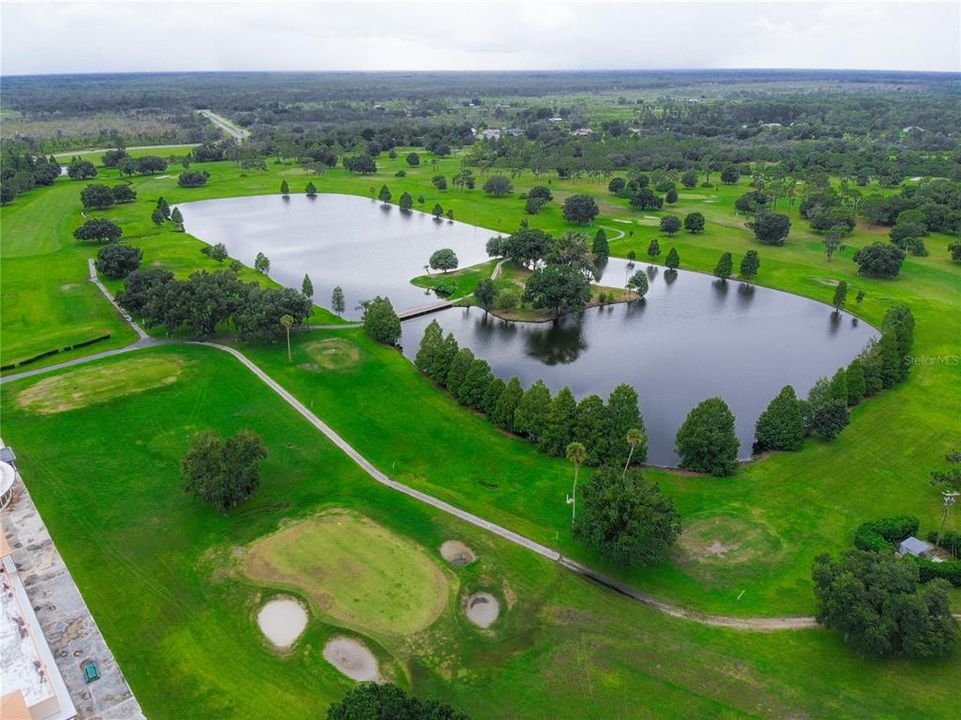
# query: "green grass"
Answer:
x=355 y=571
x=162 y=575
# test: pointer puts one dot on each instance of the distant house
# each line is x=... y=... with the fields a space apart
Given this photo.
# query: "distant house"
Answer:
x=771 y=125
x=582 y=132
x=490 y=134
x=909 y=128
x=515 y=132
x=555 y=119
x=916 y=547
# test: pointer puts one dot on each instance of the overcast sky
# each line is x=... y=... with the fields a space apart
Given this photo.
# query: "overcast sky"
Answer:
x=59 y=37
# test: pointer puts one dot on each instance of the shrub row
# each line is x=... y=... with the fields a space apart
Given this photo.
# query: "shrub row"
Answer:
x=48 y=353
x=929 y=570
x=881 y=535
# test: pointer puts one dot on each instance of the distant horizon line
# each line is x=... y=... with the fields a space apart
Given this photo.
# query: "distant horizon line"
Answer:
x=483 y=71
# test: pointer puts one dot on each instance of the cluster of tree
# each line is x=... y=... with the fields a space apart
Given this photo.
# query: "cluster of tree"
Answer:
x=206 y=301
x=146 y=165
x=193 y=178
x=385 y=701
x=876 y=603
x=223 y=473
x=537 y=197
x=118 y=261
x=80 y=169
x=100 y=197
x=629 y=520
x=163 y=212
x=98 y=230
x=787 y=421
x=361 y=164
x=930 y=206
x=21 y=171
x=750 y=264
x=551 y=423
x=380 y=321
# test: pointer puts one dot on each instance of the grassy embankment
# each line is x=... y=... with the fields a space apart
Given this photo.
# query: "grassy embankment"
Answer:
x=780 y=511
x=163 y=575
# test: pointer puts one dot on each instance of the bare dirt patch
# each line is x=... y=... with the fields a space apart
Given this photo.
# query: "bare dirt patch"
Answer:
x=725 y=549
x=353 y=659
x=332 y=354
x=457 y=553
x=100 y=383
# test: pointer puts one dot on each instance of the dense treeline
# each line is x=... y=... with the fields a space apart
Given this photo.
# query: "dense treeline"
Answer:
x=207 y=301
x=552 y=423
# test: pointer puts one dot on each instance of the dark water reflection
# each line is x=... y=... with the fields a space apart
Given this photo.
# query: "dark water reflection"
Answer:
x=365 y=247
x=691 y=338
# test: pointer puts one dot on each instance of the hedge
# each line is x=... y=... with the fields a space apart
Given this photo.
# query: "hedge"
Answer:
x=880 y=535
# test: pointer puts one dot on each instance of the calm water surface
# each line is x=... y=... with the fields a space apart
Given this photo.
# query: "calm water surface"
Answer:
x=688 y=340
x=691 y=338
x=366 y=248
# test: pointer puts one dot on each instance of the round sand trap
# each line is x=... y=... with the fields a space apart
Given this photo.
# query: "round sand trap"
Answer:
x=282 y=621
x=457 y=553
x=483 y=609
x=352 y=658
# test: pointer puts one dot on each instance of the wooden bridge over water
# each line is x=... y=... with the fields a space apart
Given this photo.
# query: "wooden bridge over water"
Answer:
x=419 y=310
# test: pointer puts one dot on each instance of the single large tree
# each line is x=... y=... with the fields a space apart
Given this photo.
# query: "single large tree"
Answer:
x=498 y=186
x=694 y=222
x=97 y=197
x=771 y=228
x=337 y=303
x=381 y=322
x=580 y=209
x=750 y=264
x=707 y=442
x=630 y=521
x=373 y=701
x=307 y=287
x=262 y=264
x=840 y=296
x=443 y=259
x=725 y=266
x=880 y=260
x=385 y=195
x=559 y=288
x=673 y=260
x=223 y=473
x=576 y=454
x=118 y=261
x=485 y=293
x=98 y=230
x=781 y=425
x=876 y=604
x=670 y=224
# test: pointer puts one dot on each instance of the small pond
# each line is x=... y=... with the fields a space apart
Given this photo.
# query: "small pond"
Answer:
x=359 y=244
x=691 y=338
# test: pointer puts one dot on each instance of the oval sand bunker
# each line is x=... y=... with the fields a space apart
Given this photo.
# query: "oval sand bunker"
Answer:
x=282 y=621
x=483 y=609
x=352 y=658
x=457 y=553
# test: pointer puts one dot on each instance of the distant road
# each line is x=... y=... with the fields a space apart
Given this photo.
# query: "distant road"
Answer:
x=235 y=131
x=90 y=151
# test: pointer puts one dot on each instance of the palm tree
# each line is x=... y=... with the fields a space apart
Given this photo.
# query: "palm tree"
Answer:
x=287 y=321
x=634 y=438
x=577 y=454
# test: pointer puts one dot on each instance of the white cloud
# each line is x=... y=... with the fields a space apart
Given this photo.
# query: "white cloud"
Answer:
x=45 y=37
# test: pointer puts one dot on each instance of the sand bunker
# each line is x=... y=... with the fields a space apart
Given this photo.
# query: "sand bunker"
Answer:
x=282 y=620
x=457 y=553
x=352 y=658
x=483 y=609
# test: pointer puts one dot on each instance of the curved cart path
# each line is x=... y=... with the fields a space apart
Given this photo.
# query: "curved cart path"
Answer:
x=762 y=624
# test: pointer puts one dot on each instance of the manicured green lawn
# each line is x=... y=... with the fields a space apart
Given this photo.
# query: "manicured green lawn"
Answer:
x=161 y=573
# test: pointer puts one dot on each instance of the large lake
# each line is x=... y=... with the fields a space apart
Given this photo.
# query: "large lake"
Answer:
x=691 y=338
x=359 y=244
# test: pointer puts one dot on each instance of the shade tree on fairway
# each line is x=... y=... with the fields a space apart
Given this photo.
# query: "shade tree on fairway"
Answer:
x=875 y=601
x=443 y=259
x=694 y=222
x=177 y=218
x=384 y=195
x=98 y=230
x=311 y=189
x=580 y=209
x=380 y=321
x=627 y=519
x=118 y=261
x=646 y=199
x=879 y=260
x=498 y=186
x=670 y=224
x=653 y=249
x=81 y=169
x=707 y=442
x=193 y=178
x=406 y=202
x=97 y=197
x=284 y=188
x=223 y=473
x=770 y=228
